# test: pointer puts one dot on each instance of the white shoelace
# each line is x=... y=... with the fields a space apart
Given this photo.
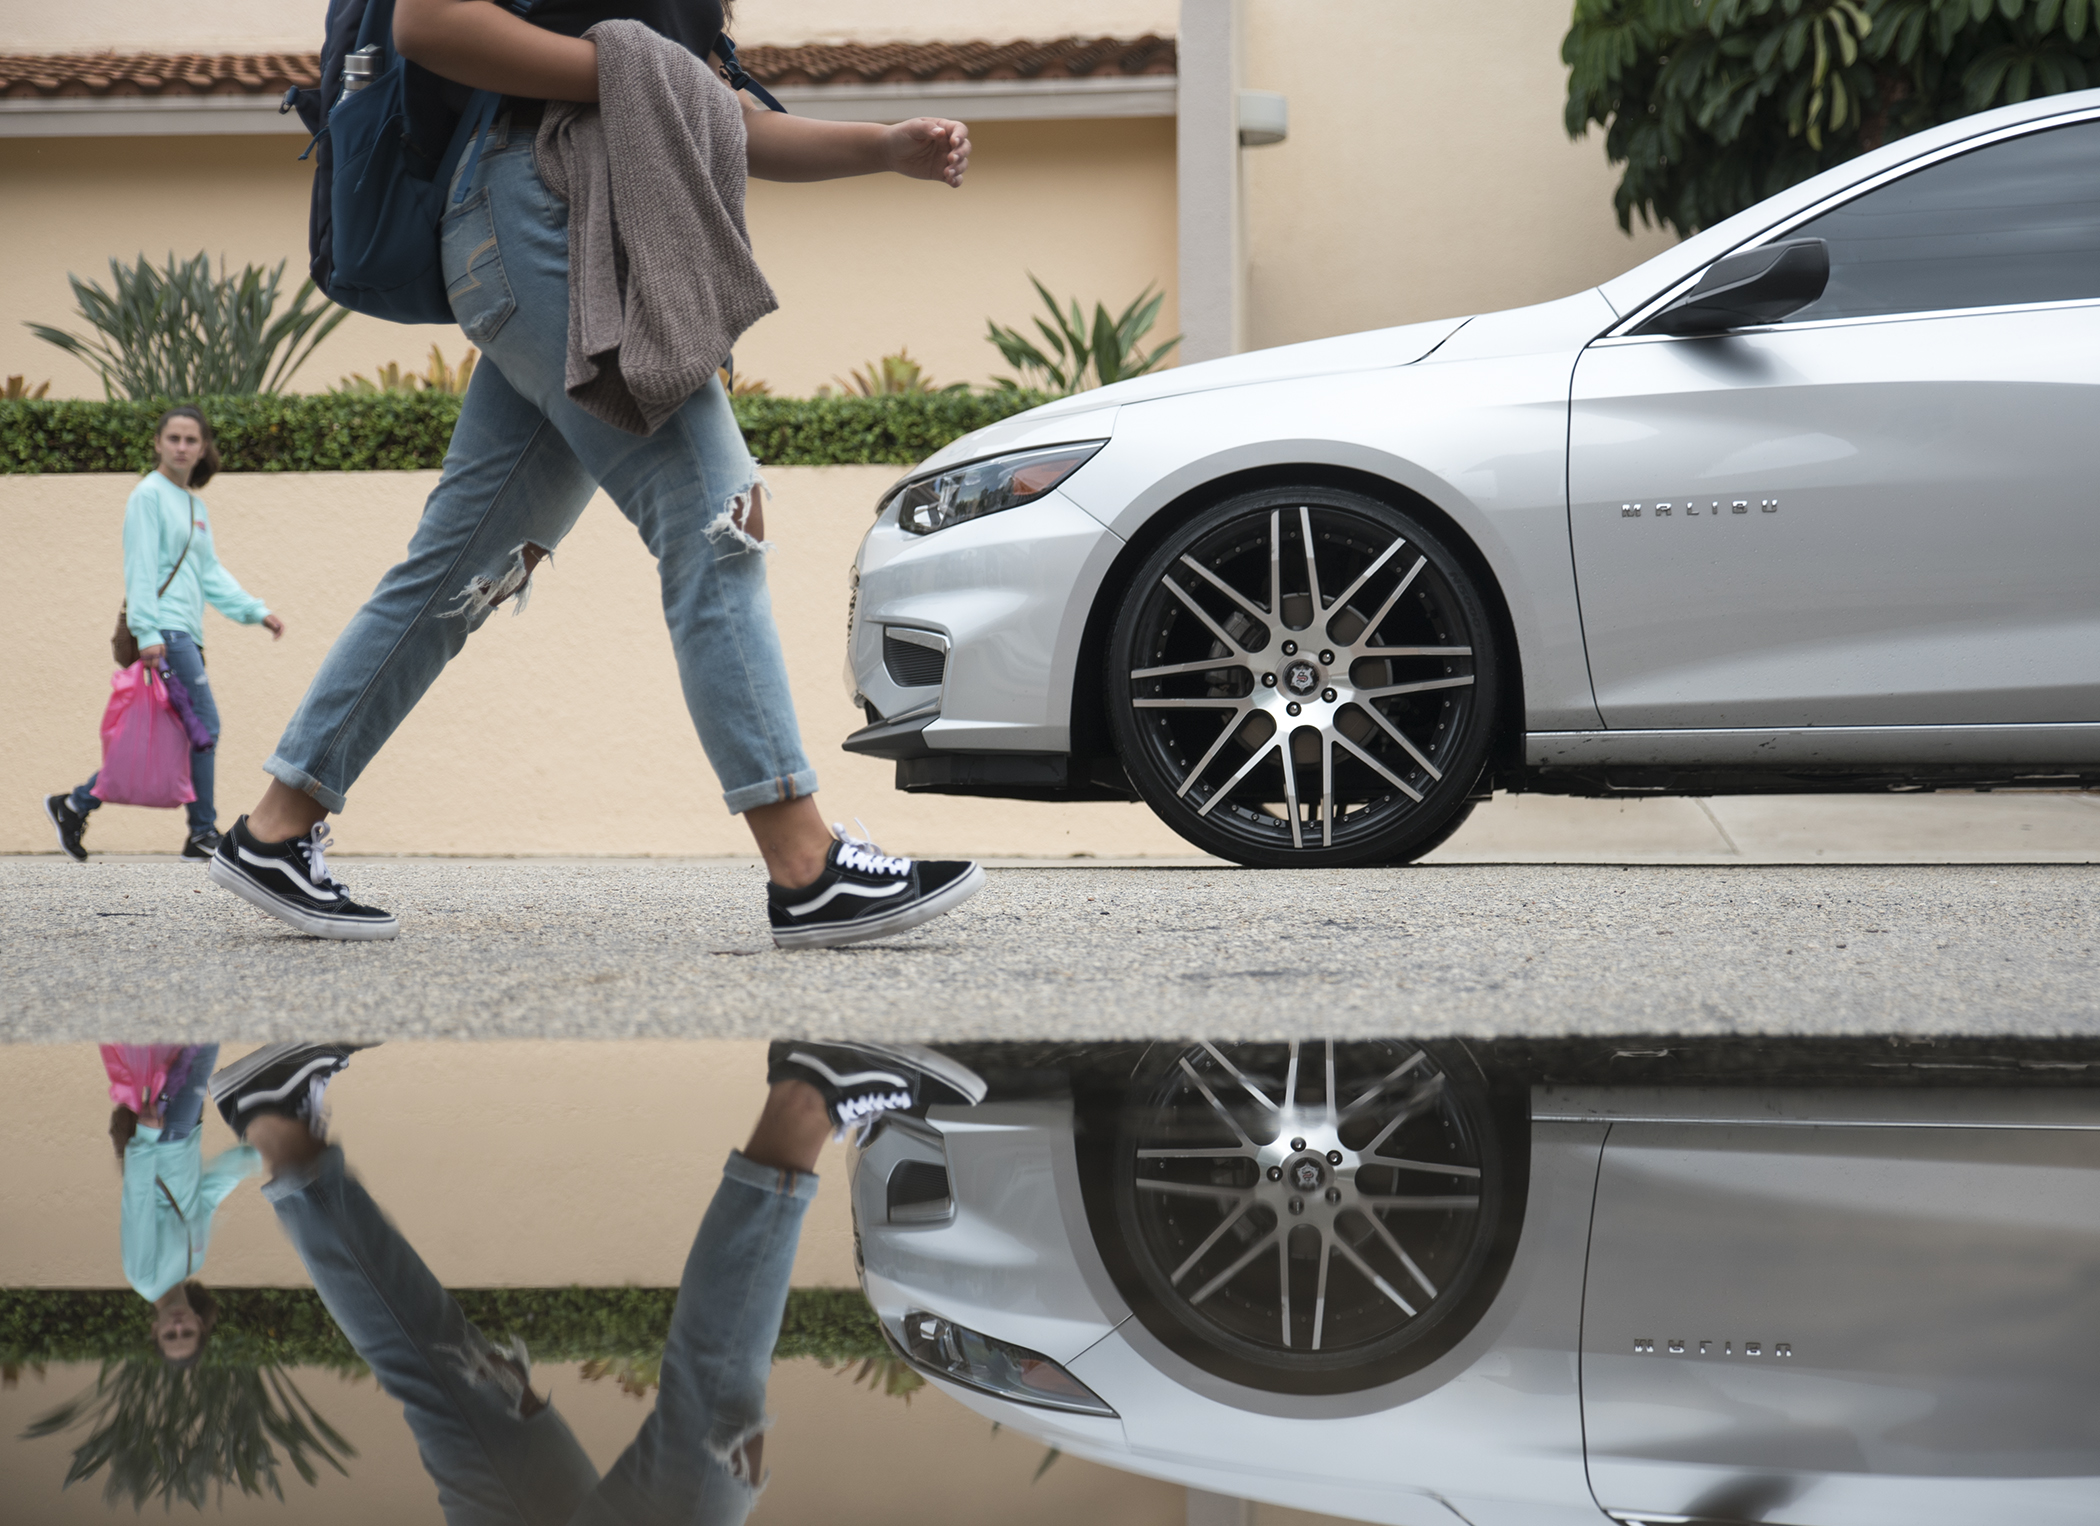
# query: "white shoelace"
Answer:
x=861 y=854
x=316 y=857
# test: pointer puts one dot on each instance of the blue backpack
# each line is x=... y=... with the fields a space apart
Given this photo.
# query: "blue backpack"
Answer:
x=384 y=156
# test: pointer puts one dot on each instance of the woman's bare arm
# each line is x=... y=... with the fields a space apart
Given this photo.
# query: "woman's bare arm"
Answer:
x=801 y=148
x=490 y=48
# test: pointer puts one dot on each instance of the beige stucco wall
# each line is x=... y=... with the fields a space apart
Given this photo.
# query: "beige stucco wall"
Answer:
x=560 y=731
x=1426 y=173
x=862 y=267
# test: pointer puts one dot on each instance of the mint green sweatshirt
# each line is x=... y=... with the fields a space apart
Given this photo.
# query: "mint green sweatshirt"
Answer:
x=165 y=1233
x=156 y=520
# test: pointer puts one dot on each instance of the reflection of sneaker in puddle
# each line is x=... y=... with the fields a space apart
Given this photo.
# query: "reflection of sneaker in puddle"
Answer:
x=861 y=1082
x=289 y=1080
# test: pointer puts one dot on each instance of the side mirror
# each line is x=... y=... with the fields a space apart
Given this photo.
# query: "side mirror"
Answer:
x=1756 y=286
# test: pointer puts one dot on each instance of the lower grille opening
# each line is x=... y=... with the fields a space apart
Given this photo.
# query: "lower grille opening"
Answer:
x=918 y=1191
x=912 y=666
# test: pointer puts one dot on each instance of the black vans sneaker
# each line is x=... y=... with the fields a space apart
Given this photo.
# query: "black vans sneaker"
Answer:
x=71 y=824
x=201 y=845
x=287 y=1079
x=865 y=893
x=290 y=880
x=861 y=1082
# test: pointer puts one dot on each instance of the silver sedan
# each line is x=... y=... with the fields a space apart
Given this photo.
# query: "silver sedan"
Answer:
x=1808 y=502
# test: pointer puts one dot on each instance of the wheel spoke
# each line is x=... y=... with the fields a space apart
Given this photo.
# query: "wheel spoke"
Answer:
x=1243 y=770
x=1195 y=1189
x=1413 y=651
x=1408 y=1110
x=1211 y=1239
x=1405 y=1259
x=1464 y=680
x=1320 y=1293
x=1276 y=563
x=1216 y=1106
x=1393 y=1202
x=1312 y=565
x=1246 y=1084
x=1230 y=592
x=1326 y=797
x=1202 y=665
x=1204 y=615
x=1342 y=599
x=1188 y=704
x=1376 y=1088
x=1371 y=629
x=1290 y=789
x=1235 y=1269
x=1426 y=1165
x=1204 y=762
x=1333 y=1116
x=1283 y=1283
x=1230 y=1152
x=1399 y=736
x=1349 y=1253
x=1397 y=782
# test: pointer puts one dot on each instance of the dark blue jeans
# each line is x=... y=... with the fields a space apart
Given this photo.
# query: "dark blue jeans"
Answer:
x=185 y=660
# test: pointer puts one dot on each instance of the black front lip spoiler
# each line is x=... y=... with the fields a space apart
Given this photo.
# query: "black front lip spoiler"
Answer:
x=894 y=739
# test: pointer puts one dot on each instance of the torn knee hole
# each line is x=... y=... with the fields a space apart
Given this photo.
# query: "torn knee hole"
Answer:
x=743 y=519
x=483 y=594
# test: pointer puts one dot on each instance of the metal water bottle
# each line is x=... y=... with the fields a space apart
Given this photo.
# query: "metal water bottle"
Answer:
x=358 y=69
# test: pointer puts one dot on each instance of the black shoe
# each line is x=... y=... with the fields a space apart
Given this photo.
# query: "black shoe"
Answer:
x=288 y=1080
x=290 y=880
x=860 y=1082
x=71 y=824
x=200 y=844
x=864 y=893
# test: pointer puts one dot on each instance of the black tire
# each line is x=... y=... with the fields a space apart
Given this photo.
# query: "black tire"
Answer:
x=1296 y=1285
x=1394 y=678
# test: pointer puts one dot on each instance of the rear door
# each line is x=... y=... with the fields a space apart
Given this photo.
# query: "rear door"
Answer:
x=1839 y=1325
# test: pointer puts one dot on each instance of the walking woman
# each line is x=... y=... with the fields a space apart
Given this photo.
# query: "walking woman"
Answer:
x=599 y=259
x=171 y=571
x=170 y=1193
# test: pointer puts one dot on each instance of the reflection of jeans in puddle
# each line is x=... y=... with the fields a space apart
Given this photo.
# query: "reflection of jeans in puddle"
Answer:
x=692 y=1459
x=182 y=1109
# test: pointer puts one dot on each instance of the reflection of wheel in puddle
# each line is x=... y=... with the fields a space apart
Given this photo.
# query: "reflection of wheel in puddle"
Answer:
x=1308 y=1209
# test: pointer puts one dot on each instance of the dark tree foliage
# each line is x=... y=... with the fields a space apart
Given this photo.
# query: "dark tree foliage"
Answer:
x=1713 y=105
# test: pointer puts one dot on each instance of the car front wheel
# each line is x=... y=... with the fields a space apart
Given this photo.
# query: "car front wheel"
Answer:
x=1304 y=677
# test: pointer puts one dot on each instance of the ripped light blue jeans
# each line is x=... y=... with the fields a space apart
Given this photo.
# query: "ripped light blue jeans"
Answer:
x=697 y=1460
x=523 y=462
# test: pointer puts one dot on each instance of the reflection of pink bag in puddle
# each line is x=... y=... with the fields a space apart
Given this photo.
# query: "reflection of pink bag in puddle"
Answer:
x=140 y=1075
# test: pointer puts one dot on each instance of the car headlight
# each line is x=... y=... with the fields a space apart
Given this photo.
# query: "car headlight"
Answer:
x=947 y=1350
x=985 y=487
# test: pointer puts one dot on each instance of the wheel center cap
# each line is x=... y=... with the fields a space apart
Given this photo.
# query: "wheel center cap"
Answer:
x=1301 y=677
x=1306 y=1174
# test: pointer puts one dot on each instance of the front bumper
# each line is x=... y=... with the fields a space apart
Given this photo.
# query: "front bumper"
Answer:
x=1009 y=596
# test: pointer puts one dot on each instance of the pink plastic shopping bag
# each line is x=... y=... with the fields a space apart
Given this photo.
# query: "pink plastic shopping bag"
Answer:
x=141 y=1074
x=145 y=751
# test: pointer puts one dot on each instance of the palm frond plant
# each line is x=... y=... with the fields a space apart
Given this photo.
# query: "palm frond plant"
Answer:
x=1082 y=353
x=439 y=376
x=19 y=390
x=181 y=331
x=183 y=1435
x=891 y=376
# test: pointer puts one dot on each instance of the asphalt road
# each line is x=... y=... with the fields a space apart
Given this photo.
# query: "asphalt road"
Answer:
x=145 y=949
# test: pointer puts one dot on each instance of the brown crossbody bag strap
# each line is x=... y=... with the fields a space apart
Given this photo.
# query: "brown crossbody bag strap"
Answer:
x=124 y=646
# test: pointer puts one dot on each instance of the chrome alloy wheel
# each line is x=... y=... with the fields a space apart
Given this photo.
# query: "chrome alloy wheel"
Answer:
x=1304 y=678
x=1310 y=1207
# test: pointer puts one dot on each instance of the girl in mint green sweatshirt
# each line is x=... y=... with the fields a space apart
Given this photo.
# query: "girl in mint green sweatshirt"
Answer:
x=171 y=571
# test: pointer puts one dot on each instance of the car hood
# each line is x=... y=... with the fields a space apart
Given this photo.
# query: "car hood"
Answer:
x=1091 y=415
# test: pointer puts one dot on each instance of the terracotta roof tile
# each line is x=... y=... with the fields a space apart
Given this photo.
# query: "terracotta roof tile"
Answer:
x=30 y=76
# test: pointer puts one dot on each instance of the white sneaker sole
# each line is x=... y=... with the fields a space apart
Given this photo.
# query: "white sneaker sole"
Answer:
x=314 y=924
x=925 y=909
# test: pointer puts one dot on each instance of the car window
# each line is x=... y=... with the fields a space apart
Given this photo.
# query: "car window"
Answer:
x=2016 y=221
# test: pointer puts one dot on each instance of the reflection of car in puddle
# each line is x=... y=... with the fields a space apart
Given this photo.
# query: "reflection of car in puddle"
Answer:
x=1381 y=1280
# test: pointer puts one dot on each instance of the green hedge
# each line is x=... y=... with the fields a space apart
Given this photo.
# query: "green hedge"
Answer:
x=288 y=1327
x=400 y=431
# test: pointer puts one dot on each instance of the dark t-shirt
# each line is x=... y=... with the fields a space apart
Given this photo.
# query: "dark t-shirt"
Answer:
x=695 y=24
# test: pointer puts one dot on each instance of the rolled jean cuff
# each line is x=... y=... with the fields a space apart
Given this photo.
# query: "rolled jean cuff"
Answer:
x=741 y=1169
x=304 y=782
x=772 y=792
x=293 y=1180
